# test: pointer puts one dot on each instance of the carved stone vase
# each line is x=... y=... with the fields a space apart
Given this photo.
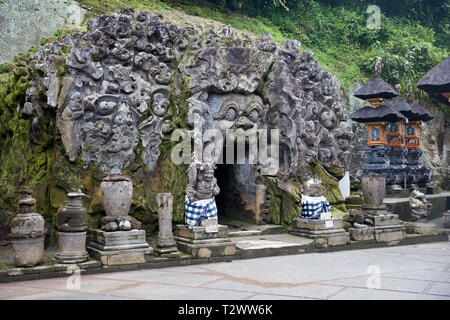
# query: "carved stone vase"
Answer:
x=117 y=193
x=27 y=232
x=374 y=190
x=72 y=226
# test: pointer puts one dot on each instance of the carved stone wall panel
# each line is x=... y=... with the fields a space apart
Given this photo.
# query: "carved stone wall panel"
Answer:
x=121 y=70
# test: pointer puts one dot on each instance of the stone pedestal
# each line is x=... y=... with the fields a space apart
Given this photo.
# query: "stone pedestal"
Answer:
x=388 y=228
x=200 y=244
x=327 y=233
x=165 y=245
x=27 y=232
x=72 y=248
x=72 y=226
x=119 y=247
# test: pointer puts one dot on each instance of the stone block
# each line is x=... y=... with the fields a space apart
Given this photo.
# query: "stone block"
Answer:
x=390 y=233
x=308 y=224
x=325 y=238
x=120 y=247
x=202 y=245
x=199 y=233
x=362 y=234
x=420 y=228
x=386 y=220
x=120 y=257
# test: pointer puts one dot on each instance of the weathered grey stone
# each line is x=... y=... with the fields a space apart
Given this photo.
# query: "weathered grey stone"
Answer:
x=27 y=231
x=420 y=206
x=201 y=244
x=73 y=217
x=110 y=226
x=386 y=220
x=390 y=233
x=28 y=251
x=117 y=193
x=374 y=190
x=362 y=234
x=165 y=244
x=120 y=247
x=420 y=228
x=24 y=23
x=309 y=224
x=326 y=233
x=199 y=233
x=71 y=248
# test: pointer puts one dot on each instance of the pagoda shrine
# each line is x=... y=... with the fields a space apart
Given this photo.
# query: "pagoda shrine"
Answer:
x=393 y=149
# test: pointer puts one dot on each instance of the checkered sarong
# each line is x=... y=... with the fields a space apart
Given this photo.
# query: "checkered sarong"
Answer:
x=314 y=207
x=195 y=212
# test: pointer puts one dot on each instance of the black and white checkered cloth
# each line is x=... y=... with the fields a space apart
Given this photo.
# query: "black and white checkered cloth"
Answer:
x=313 y=208
x=195 y=212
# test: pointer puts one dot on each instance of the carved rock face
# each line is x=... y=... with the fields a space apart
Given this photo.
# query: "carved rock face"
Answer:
x=119 y=84
x=124 y=70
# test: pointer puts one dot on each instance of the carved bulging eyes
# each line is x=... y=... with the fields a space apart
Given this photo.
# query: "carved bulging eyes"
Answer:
x=253 y=115
x=230 y=115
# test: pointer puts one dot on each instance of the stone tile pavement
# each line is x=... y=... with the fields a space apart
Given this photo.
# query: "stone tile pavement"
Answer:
x=418 y=272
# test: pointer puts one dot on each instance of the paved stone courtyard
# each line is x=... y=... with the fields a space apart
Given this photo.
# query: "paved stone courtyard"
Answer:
x=418 y=272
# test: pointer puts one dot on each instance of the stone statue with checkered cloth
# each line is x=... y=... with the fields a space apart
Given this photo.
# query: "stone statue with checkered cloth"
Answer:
x=314 y=205
x=200 y=202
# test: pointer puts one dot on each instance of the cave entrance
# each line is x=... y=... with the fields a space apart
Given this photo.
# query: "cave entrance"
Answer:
x=237 y=201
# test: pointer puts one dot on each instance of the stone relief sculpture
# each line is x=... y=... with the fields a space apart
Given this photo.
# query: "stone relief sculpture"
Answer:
x=306 y=107
x=118 y=88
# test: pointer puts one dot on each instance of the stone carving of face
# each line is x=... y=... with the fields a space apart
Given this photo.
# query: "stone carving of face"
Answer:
x=236 y=111
x=206 y=173
x=160 y=104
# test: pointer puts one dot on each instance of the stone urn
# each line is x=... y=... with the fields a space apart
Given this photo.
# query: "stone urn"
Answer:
x=117 y=193
x=72 y=226
x=27 y=232
x=374 y=190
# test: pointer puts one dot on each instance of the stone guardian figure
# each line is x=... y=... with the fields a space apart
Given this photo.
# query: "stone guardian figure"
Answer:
x=200 y=203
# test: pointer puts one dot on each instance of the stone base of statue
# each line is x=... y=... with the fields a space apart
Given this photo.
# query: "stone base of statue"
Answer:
x=119 y=247
x=202 y=244
x=364 y=233
x=72 y=248
x=388 y=228
x=420 y=228
x=326 y=233
x=167 y=248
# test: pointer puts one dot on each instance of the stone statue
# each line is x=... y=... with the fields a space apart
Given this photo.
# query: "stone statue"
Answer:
x=314 y=205
x=420 y=207
x=200 y=203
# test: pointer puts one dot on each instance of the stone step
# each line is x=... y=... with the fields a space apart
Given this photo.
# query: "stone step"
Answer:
x=256 y=231
x=272 y=245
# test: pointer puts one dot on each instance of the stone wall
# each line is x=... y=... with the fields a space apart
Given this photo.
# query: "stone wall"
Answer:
x=25 y=22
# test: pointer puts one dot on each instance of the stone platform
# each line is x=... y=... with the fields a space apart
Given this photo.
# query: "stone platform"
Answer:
x=326 y=233
x=200 y=244
x=421 y=228
x=119 y=247
x=388 y=228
